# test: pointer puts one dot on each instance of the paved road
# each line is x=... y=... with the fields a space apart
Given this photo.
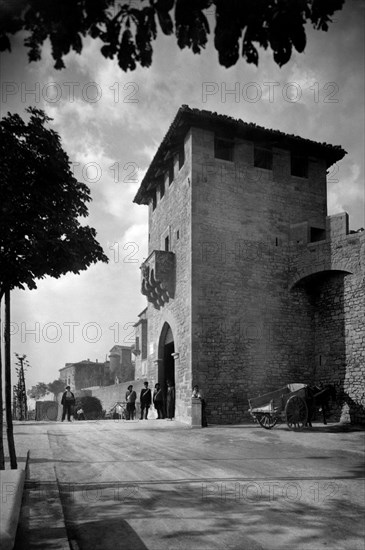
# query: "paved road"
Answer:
x=158 y=485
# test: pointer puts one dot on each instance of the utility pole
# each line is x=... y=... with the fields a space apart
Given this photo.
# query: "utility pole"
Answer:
x=20 y=390
x=15 y=403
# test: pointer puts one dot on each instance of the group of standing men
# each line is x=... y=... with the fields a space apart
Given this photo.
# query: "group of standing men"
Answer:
x=164 y=407
x=146 y=400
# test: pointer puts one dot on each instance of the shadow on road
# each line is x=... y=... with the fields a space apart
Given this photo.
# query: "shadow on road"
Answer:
x=215 y=514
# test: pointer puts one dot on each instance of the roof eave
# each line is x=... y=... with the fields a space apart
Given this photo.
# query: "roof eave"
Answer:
x=187 y=117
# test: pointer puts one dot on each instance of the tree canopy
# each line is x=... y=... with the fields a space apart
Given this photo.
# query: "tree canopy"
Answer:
x=38 y=391
x=56 y=387
x=40 y=206
x=41 y=389
x=126 y=31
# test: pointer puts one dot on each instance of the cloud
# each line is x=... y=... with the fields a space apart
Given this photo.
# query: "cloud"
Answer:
x=346 y=189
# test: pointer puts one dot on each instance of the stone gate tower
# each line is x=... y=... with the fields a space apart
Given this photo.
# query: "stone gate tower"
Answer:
x=250 y=285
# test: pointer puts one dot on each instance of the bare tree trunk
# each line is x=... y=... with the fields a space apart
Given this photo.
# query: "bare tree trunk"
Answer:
x=9 y=419
x=2 y=458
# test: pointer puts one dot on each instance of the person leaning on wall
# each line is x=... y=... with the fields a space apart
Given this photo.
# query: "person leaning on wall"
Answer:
x=198 y=394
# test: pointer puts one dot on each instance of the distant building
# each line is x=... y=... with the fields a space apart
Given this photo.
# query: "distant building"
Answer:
x=86 y=373
x=250 y=285
x=121 y=367
x=83 y=374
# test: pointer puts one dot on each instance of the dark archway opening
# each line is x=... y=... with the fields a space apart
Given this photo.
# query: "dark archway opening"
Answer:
x=166 y=370
x=169 y=363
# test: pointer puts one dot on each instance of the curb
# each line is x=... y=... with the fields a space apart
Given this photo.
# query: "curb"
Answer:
x=42 y=522
x=12 y=486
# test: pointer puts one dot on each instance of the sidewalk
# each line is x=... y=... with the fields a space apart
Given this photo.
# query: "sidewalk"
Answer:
x=12 y=486
x=41 y=521
x=11 y=494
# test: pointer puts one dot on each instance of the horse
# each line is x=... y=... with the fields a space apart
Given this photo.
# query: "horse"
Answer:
x=319 y=396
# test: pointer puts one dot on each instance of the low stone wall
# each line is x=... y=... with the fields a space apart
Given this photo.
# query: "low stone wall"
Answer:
x=48 y=411
x=109 y=395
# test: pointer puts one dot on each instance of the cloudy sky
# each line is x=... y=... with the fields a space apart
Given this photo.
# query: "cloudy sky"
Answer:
x=111 y=124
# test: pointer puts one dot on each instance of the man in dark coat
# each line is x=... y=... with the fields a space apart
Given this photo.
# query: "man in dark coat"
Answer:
x=130 y=398
x=145 y=399
x=68 y=401
x=158 y=401
x=170 y=400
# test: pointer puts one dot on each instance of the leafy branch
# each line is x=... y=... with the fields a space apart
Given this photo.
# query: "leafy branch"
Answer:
x=127 y=33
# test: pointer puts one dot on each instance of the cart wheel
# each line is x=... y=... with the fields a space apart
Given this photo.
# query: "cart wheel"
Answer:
x=267 y=421
x=296 y=413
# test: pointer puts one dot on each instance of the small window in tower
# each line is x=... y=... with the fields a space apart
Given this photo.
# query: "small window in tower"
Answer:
x=171 y=173
x=162 y=189
x=154 y=200
x=317 y=234
x=223 y=148
x=177 y=235
x=299 y=166
x=181 y=157
x=167 y=244
x=263 y=158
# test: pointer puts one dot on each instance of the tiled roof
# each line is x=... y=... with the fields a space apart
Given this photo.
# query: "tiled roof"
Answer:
x=81 y=363
x=119 y=349
x=187 y=117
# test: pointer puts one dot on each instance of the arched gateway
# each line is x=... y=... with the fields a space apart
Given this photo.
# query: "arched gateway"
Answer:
x=166 y=362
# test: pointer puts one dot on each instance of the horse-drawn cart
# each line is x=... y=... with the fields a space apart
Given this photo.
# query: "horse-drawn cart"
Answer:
x=288 y=404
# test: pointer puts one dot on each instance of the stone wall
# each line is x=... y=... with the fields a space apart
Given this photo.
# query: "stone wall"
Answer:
x=109 y=395
x=249 y=334
x=172 y=217
x=353 y=375
x=332 y=273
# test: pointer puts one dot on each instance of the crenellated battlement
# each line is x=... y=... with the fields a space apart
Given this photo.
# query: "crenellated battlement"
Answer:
x=339 y=250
